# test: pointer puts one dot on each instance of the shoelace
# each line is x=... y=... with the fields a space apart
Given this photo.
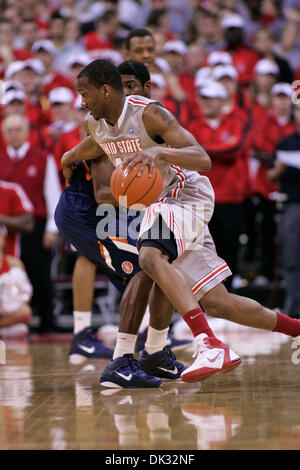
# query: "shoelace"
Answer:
x=134 y=364
x=170 y=355
x=200 y=346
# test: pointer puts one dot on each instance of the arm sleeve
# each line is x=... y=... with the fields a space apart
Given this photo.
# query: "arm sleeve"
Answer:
x=52 y=192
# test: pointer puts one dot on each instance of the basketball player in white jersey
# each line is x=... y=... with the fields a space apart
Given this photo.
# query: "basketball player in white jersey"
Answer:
x=139 y=126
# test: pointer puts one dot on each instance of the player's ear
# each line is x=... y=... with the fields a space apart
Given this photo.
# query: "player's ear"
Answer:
x=147 y=89
x=106 y=90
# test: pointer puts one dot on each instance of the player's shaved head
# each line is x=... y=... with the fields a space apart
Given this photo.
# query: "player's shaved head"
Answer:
x=102 y=72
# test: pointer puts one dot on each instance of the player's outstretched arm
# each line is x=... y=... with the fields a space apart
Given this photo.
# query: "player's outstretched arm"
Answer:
x=184 y=149
x=87 y=149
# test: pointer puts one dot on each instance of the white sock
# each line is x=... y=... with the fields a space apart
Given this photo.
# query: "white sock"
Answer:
x=81 y=320
x=125 y=344
x=156 y=340
x=146 y=320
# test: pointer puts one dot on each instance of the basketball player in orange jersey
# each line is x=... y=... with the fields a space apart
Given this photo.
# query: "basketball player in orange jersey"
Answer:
x=106 y=95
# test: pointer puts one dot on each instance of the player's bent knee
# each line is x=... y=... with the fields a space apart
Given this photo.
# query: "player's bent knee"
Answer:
x=149 y=260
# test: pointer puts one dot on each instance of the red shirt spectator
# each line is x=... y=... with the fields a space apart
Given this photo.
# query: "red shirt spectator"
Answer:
x=243 y=57
x=92 y=41
x=103 y=37
x=56 y=80
x=224 y=140
x=244 y=60
x=13 y=202
x=269 y=131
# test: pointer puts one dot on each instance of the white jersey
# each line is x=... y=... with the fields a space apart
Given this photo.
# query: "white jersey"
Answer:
x=185 y=189
x=128 y=135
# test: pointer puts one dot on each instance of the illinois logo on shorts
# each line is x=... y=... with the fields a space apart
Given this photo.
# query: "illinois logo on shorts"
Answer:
x=127 y=267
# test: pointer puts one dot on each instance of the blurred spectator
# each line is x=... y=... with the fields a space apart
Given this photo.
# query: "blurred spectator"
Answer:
x=271 y=15
x=15 y=294
x=71 y=131
x=291 y=10
x=158 y=20
x=45 y=51
x=175 y=52
x=15 y=103
x=264 y=44
x=29 y=75
x=15 y=215
x=7 y=33
x=23 y=43
x=61 y=102
x=206 y=29
x=270 y=130
x=244 y=58
x=287 y=171
x=36 y=172
x=159 y=92
x=288 y=47
x=266 y=74
x=218 y=58
x=103 y=36
x=133 y=13
x=223 y=137
x=194 y=61
x=74 y=64
x=13 y=15
x=56 y=32
x=73 y=46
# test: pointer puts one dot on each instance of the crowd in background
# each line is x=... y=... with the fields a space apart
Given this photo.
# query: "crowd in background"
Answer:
x=225 y=68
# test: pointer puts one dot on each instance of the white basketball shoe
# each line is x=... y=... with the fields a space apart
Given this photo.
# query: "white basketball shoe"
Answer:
x=212 y=357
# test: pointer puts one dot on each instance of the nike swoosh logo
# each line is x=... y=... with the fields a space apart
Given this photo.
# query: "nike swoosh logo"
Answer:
x=174 y=372
x=214 y=358
x=86 y=349
x=125 y=377
x=198 y=315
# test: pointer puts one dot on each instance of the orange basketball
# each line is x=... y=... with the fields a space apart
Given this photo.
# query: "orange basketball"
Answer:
x=139 y=190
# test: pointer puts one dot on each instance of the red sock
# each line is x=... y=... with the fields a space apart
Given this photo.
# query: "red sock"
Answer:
x=197 y=322
x=287 y=325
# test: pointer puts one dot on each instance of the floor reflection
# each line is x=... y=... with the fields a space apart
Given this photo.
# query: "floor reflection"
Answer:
x=46 y=403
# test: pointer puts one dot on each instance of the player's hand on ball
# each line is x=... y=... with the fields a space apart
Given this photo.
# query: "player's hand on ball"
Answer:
x=149 y=157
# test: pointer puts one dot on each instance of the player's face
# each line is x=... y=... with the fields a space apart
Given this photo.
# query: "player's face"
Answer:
x=92 y=97
x=142 y=49
x=133 y=86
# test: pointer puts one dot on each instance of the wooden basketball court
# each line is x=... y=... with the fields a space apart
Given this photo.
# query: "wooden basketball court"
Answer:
x=46 y=403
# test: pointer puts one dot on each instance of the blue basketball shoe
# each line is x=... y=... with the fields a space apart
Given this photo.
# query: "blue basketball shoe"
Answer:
x=126 y=372
x=162 y=364
x=86 y=345
x=173 y=343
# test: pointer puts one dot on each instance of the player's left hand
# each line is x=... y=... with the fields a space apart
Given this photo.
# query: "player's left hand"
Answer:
x=149 y=157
